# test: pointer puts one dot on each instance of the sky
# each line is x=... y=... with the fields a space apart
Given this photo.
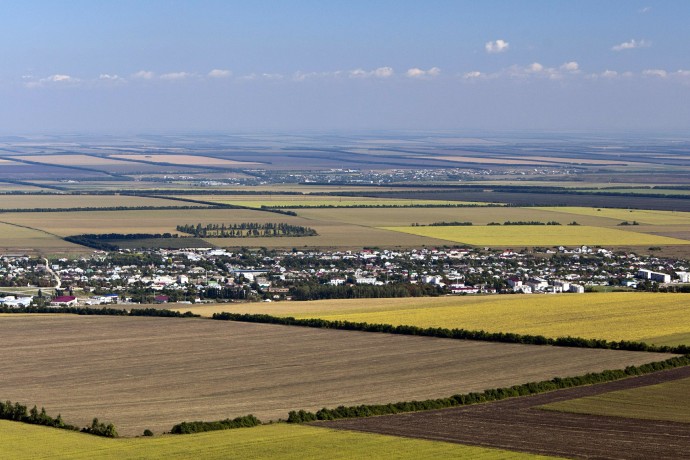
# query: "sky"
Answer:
x=168 y=66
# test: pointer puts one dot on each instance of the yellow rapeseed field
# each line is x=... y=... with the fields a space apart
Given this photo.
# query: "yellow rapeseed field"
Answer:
x=663 y=319
x=539 y=235
x=21 y=441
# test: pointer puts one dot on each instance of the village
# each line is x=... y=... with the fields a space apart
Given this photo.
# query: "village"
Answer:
x=213 y=275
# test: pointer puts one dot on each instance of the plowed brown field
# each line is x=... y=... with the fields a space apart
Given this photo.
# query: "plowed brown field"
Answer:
x=516 y=424
x=154 y=372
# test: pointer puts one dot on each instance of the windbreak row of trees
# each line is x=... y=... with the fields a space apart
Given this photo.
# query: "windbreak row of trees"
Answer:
x=19 y=413
x=245 y=230
x=315 y=291
x=102 y=311
x=246 y=421
x=108 y=241
x=496 y=394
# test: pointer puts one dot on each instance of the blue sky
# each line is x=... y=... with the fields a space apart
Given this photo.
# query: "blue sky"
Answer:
x=164 y=66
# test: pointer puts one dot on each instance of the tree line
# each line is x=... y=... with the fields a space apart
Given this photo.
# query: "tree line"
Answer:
x=246 y=421
x=108 y=241
x=18 y=413
x=246 y=230
x=315 y=291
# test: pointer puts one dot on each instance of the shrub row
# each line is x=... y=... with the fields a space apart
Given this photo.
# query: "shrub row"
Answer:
x=246 y=421
x=18 y=413
x=463 y=334
x=496 y=394
x=104 y=311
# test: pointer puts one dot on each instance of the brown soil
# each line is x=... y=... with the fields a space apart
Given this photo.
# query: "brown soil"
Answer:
x=151 y=373
x=517 y=424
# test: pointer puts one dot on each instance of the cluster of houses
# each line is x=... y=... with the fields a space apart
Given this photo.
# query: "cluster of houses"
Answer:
x=192 y=274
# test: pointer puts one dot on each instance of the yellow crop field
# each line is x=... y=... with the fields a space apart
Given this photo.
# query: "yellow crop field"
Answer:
x=662 y=319
x=643 y=216
x=664 y=401
x=184 y=160
x=539 y=235
x=21 y=441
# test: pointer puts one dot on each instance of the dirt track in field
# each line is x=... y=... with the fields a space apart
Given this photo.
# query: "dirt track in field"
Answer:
x=516 y=424
x=154 y=372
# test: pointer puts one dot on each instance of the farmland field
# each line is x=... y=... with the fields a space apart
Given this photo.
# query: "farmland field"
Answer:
x=664 y=401
x=72 y=160
x=15 y=239
x=151 y=373
x=29 y=442
x=662 y=319
x=539 y=235
x=185 y=160
x=286 y=201
x=642 y=216
x=520 y=424
x=477 y=215
x=84 y=201
x=331 y=234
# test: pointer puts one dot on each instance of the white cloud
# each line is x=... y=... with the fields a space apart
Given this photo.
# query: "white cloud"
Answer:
x=535 y=67
x=496 y=46
x=144 y=74
x=60 y=78
x=220 y=73
x=111 y=78
x=655 y=73
x=55 y=79
x=473 y=75
x=632 y=44
x=609 y=74
x=644 y=10
x=381 y=72
x=419 y=73
x=571 y=66
x=175 y=76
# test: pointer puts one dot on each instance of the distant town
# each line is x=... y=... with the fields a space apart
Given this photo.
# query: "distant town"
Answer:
x=218 y=275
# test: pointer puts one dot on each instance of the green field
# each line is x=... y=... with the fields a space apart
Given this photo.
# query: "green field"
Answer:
x=21 y=441
x=662 y=319
x=665 y=401
x=539 y=235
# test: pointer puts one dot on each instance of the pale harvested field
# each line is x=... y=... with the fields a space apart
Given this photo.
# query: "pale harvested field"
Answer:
x=154 y=372
x=662 y=319
x=643 y=216
x=84 y=201
x=393 y=217
x=492 y=161
x=278 y=201
x=73 y=160
x=540 y=235
x=17 y=239
x=186 y=160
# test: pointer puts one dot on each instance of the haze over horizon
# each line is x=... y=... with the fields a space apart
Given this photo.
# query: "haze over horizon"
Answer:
x=163 y=66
